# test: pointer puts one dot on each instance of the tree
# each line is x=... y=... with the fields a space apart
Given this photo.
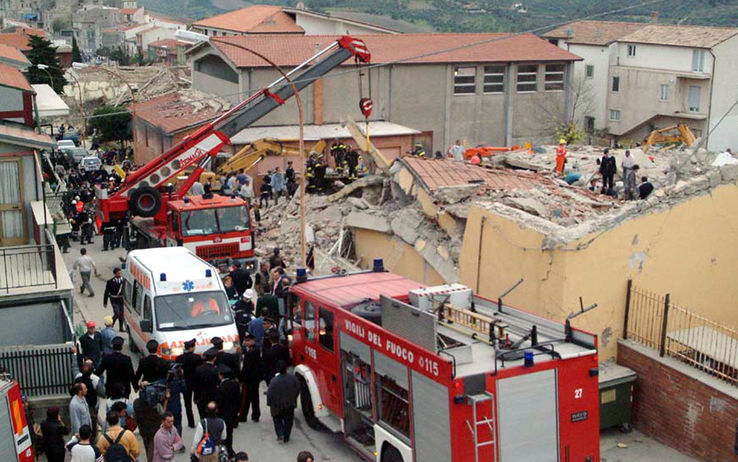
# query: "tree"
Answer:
x=113 y=123
x=76 y=55
x=42 y=53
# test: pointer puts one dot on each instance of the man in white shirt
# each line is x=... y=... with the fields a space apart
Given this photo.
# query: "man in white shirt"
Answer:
x=457 y=151
x=85 y=264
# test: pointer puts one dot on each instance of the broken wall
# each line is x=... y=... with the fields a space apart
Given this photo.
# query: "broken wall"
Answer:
x=689 y=250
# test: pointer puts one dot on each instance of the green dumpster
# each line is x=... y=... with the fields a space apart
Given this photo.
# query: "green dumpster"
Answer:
x=616 y=396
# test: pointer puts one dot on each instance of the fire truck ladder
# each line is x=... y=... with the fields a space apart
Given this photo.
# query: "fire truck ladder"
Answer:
x=494 y=328
x=474 y=401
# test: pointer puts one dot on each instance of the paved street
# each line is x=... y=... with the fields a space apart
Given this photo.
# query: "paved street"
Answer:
x=258 y=439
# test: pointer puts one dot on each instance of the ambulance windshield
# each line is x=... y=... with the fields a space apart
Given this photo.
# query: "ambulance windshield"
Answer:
x=192 y=310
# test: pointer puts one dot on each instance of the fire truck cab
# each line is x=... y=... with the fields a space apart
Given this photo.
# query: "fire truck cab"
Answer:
x=409 y=373
x=15 y=437
x=217 y=229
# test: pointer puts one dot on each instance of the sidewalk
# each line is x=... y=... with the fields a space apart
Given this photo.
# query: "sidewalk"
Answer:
x=636 y=447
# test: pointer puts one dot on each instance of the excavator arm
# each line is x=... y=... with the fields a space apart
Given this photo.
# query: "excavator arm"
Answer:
x=141 y=192
x=662 y=135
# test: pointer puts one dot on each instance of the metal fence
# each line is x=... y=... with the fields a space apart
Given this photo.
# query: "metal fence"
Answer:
x=40 y=370
x=27 y=266
x=657 y=322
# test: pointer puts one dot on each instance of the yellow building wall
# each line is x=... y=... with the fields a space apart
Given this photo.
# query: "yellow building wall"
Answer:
x=399 y=257
x=689 y=251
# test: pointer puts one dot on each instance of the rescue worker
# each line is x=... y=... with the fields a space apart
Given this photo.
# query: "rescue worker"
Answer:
x=352 y=161
x=338 y=151
x=476 y=159
x=418 y=150
x=114 y=292
x=119 y=369
x=319 y=170
x=189 y=361
x=108 y=231
x=251 y=374
x=310 y=171
x=152 y=367
x=85 y=223
x=243 y=310
x=561 y=156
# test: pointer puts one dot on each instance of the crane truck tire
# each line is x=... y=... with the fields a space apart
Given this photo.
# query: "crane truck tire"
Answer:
x=145 y=201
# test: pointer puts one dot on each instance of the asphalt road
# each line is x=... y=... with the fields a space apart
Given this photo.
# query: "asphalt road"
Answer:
x=257 y=439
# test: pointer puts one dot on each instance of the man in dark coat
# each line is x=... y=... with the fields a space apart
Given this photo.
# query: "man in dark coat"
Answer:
x=206 y=381
x=273 y=352
x=222 y=357
x=608 y=167
x=91 y=344
x=229 y=401
x=241 y=279
x=152 y=367
x=251 y=374
x=189 y=361
x=114 y=292
x=119 y=369
x=282 y=400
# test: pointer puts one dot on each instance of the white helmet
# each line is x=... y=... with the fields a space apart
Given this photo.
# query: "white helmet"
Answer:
x=74 y=202
x=76 y=198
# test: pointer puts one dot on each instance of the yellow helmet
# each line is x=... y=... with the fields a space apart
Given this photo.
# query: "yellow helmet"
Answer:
x=562 y=141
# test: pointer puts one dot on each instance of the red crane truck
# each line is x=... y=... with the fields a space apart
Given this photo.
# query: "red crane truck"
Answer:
x=15 y=436
x=409 y=373
x=155 y=207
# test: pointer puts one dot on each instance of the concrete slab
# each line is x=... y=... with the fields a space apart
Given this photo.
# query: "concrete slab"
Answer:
x=364 y=220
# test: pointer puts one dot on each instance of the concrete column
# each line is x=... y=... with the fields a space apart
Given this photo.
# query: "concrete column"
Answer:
x=509 y=89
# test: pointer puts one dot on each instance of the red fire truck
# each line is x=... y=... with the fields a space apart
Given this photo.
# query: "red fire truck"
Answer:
x=409 y=373
x=15 y=437
x=147 y=192
x=216 y=229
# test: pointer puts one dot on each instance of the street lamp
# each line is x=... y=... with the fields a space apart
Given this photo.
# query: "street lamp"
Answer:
x=45 y=68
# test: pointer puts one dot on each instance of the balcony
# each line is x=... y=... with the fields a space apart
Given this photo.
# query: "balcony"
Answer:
x=33 y=269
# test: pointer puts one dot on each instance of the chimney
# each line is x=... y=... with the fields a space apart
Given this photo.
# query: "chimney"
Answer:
x=654 y=17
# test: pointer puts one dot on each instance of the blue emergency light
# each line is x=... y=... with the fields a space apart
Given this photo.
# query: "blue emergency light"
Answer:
x=208 y=273
x=301 y=275
x=529 y=362
x=378 y=265
x=163 y=277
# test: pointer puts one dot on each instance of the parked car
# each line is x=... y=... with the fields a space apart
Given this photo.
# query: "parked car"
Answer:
x=76 y=154
x=65 y=144
x=90 y=164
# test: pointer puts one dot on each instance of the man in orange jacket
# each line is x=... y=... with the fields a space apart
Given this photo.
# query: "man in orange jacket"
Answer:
x=561 y=156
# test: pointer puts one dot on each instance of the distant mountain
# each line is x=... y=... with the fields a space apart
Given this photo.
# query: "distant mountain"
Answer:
x=481 y=15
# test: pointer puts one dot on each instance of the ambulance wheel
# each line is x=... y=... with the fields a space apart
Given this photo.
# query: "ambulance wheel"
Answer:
x=306 y=403
x=390 y=454
x=131 y=343
x=145 y=201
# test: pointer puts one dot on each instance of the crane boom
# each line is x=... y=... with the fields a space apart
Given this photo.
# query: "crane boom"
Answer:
x=141 y=192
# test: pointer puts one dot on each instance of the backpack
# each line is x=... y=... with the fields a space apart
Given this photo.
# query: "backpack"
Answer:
x=206 y=446
x=116 y=452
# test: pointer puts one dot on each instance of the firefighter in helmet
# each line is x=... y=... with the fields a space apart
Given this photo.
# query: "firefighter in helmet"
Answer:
x=352 y=160
x=418 y=150
x=339 y=151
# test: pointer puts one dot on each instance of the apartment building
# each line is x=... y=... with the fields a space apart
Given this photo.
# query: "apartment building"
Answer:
x=640 y=76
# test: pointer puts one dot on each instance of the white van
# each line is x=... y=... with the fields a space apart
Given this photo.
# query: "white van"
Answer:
x=172 y=296
x=65 y=144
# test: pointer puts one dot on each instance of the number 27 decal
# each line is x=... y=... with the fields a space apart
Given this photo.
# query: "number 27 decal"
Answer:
x=577 y=393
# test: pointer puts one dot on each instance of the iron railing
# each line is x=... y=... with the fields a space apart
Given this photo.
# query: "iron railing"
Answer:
x=657 y=322
x=27 y=266
x=40 y=370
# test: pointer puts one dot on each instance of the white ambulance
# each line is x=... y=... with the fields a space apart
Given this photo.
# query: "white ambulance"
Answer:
x=172 y=296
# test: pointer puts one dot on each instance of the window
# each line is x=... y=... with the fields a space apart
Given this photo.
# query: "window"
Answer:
x=589 y=71
x=393 y=404
x=589 y=124
x=614 y=115
x=326 y=328
x=554 y=78
x=693 y=98
x=464 y=80
x=127 y=291
x=494 y=79
x=631 y=50
x=527 y=77
x=698 y=60
x=554 y=41
x=192 y=310
x=294 y=305
x=147 y=307
x=663 y=92
x=309 y=321
x=174 y=220
x=615 y=84
x=137 y=296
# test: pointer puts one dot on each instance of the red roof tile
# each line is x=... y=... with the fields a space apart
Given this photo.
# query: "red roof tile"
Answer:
x=291 y=50
x=172 y=112
x=20 y=37
x=437 y=174
x=9 y=53
x=12 y=77
x=170 y=44
x=256 y=19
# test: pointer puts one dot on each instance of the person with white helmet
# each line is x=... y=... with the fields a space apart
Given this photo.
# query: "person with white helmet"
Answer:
x=561 y=156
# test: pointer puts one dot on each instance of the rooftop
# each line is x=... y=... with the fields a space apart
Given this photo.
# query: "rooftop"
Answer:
x=19 y=37
x=317 y=132
x=594 y=32
x=13 y=78
x=13 y=56
x=48 y=103
x=169 y=19
x=292 y=50
x=180 y=110
x=170 y=43
x=680 y=36
x=348 y=17
x=255 y=19
x=23 y=136
x=130 y=10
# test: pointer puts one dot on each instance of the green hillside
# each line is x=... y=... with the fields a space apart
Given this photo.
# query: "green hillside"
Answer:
x=491 y=15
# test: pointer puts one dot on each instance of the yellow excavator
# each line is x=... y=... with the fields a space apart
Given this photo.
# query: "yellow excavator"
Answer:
x=249 y=156
x=669 y=136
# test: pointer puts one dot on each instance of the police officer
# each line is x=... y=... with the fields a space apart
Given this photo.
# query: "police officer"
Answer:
x=152 y=367
x=114 y=292
x=119 y=370
x=108 y=230
x=189 y=361
x=206 y=381
x=229 y=400
x=221 y=357
x=251 y=374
